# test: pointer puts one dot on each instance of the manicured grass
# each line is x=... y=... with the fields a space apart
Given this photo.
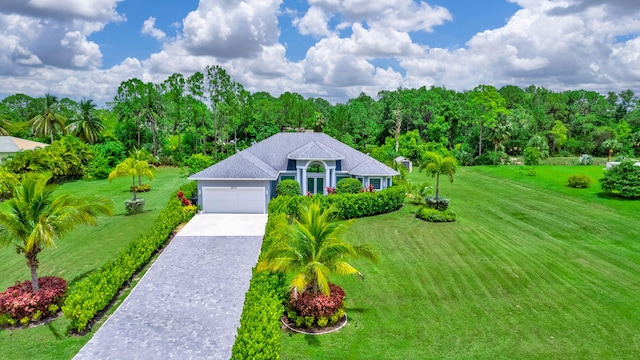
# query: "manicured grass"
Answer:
x=78 y=253
x=528 y=272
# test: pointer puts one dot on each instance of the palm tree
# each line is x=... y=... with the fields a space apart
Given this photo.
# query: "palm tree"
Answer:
x=132 y=167
x=37 y=217
x=86 y=125
x=435 y=164
x=141 y=155
x=49 y=120
x=313 y=249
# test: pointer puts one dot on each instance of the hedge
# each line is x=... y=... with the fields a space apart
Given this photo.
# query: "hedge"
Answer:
x=350 y=206
x=92 y=294
x=259 y=334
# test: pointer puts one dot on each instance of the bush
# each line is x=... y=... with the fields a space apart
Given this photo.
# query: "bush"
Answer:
x=440 y=204
x=198 y=162
x=579 y=181
x=492 y=158
x=349 y=206
x=93 y=293
x=288 y=187
x=134 y=206
x=622 y=179
x=585 y=160
x=532 y=156
x=19 y=304
x=348 y=186
x=433 y=215
x=315 y=305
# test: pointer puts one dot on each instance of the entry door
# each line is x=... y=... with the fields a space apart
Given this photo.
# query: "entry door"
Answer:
x=315 y=185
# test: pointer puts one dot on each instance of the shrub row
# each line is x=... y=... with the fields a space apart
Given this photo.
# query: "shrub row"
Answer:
x=433 y=215
x=20 y=304
x=259 y=332
x=95 y=292
x=350 y=206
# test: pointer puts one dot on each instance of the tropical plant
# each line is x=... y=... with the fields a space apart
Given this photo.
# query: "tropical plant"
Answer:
x=37 y=217
x=312 y=249
x=142 y=155
x=623 y=179
x=132 y=167
x=46 y=122
x=86 y=125
x=4 y=125
x=435 y=164
x=7 y=180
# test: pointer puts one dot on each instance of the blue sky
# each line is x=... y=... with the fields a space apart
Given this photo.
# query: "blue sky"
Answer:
x=333 y=49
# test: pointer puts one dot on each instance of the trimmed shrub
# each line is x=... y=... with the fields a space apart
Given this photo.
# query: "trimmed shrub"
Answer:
x=622 y=179
x=288 y=187
x=140 y=188
x=441 y=203
x=19 y=304
x=585 y=159
x=579 y=181
x=433 y=215
x=532 y=156
x=134 y=206
x=93 y=293
x=348 y=186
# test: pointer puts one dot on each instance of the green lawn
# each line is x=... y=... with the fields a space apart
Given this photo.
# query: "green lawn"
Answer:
x=78 y=253
x=532 y=270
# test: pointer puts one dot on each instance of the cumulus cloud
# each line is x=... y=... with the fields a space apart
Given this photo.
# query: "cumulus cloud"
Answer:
x=230 y=29
x=149 y=28
x=64 y=10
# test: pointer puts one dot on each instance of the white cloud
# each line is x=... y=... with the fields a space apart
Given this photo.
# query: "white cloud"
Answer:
x=94 y=10
x=314 y=22
x=149 y=28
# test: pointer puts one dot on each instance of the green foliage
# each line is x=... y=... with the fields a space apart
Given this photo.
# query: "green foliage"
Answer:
x=288 y=187
x=417 y=193
x=348 y=186
x=134 y=168
x=134 y=206
x=492 y=158
x=106 y=157
x=434 y=215
x=579 y=181
x=532 y=156
x=93 y=293
x=350 y=206
x=435 y=164
x=622 y=179
x=198 y=162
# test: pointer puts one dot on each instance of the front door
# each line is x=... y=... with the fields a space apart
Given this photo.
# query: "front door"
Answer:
x=315 y=183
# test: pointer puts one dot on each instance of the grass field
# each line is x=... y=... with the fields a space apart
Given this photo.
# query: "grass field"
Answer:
x=78 y=253
x=532 y=270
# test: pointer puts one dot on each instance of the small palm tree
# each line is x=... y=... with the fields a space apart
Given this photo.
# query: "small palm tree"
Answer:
x=435 y=164
x=86 y=125
x=47 y=122
x=37 y=217
x=132 y=167
x=141 y=155
x=312 y=248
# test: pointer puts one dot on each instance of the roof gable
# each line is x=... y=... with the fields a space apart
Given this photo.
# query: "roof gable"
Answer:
x=315 y=151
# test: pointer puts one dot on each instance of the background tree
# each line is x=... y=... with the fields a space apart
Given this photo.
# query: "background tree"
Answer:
x=85 y=124
x=37 y=217
x=49 y=119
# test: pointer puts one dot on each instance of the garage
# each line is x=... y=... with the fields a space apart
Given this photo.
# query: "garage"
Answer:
x=233 y=200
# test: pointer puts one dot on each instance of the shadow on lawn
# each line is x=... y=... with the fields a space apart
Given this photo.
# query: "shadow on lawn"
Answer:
x=616 y=197
x=312 y=340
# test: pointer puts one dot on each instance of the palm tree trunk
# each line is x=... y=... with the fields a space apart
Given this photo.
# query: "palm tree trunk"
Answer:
x=437 y=185
x=32 y=262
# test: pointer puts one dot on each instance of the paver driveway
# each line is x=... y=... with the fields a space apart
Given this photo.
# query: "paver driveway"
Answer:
x=188 y=305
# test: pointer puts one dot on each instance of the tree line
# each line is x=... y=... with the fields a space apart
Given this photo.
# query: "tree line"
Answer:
x=210 y=113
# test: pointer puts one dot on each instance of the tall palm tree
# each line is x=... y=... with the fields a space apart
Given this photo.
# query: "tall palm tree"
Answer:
x=86 y=125
x=132 y=167
x=47 y=122
x=313 y=249
x=37 y=217
x=435 y=164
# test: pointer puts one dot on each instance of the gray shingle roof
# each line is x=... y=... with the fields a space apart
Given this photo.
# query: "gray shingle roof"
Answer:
x=315 y=151
x=267 y=158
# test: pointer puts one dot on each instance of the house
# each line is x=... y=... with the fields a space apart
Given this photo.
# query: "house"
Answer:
x=10 y=145
x=246 y=181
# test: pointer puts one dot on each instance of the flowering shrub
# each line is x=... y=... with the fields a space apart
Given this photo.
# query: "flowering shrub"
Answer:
x=19 y=303
x=369 y=188
x=183 y=199
x=330 y=190
x=316 y=308
x=140 y=188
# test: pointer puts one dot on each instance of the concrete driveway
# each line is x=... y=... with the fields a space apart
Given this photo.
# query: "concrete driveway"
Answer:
x=188 y=305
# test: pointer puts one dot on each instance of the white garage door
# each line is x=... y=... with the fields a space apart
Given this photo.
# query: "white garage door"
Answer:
x=236 y=200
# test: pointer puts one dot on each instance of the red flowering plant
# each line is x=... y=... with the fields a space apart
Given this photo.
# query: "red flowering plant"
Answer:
x=330 y=190
x=20 y=303
x=183 y=199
